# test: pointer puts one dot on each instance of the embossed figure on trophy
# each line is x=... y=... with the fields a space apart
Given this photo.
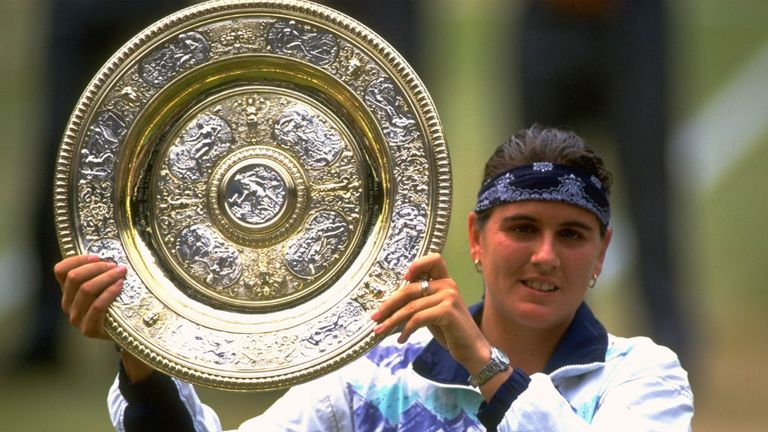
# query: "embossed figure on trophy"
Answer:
x=382 y=97
x=254 y=110
x=239 y=40
x=208 y=257
x=256 y=195
x=288 y=37
x=410 y=225
x=317 y=144
x=97 y=165
x=219 y=352
x=201 y=144
x=191 y=49
x=108 y=131
x=105 y=136
x=341 y=191
x=129 y=95
x=336 y=328
x=188 y=50
x=414 y=173
x=325 y=236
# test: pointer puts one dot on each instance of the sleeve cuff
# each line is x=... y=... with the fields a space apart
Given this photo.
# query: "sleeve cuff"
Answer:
x=490 y=413
x=158 y=387
x=153 y=404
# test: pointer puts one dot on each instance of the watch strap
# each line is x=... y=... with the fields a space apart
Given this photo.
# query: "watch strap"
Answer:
x=498 y=363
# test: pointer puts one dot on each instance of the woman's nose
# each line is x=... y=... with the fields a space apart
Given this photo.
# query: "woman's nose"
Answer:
x=545 y=253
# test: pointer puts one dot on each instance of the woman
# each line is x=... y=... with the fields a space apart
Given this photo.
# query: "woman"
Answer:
x=531 y=356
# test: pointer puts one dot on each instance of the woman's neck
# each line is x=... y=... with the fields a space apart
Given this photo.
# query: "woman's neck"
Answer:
x=528 y=349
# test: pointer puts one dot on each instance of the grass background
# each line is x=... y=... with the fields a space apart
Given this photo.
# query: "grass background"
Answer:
x=721 y=233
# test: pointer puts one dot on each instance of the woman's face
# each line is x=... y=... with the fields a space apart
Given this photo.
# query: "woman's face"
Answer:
x=537 y=259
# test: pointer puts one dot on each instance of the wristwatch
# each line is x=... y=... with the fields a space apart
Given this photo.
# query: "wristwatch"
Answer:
x=499 y=362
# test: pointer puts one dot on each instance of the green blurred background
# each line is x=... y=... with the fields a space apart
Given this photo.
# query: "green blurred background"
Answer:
x=719 y=80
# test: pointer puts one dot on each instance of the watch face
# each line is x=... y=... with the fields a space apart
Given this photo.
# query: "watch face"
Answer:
x=498 y=356
x=266 y=170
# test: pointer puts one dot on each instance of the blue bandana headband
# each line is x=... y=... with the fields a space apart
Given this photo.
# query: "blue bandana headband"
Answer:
x=545 y=181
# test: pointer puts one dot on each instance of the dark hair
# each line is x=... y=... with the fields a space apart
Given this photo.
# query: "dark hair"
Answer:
x=544 y=144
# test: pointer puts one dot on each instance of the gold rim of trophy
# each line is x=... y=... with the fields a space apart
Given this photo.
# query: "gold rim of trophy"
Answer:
x=266 y=170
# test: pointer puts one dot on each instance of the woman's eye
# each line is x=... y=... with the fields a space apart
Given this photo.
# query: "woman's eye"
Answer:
x=571 y=234
x=523 y=229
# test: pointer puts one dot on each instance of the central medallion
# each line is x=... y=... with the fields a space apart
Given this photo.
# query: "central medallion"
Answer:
x=255 y=194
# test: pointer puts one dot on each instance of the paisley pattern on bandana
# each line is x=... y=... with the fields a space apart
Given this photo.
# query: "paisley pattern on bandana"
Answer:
x=545 y=181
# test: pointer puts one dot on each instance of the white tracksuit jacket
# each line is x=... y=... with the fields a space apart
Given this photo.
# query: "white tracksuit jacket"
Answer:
x=593 y=382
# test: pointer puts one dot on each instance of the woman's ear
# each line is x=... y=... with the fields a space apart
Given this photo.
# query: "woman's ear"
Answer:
x=475 y=250
x=606 y=241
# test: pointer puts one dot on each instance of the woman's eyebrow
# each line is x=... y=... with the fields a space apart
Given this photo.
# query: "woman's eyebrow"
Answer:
x=578 y=224
x=518 y=217
x=522 y=217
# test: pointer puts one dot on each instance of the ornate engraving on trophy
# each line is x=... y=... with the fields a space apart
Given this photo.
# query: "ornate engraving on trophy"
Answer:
x=95 y=205
x=303 y=41
x=338 y=187
x=323 y=240
x=264 y=167
x=179 y=201
x=355 y=68
x=254 y=111
x=410 y=223
x=208 y=257
x=195 y=342
x=385 y=100
x=256 y=194
x=217 y=351
x=334 y=329
x=265 y=277
x=315 y=143
x=370 y=294
x=238 y=37
x=104 y=136
x=414 y=172
x=185 y=51
x=199 y=147
x=268 y=351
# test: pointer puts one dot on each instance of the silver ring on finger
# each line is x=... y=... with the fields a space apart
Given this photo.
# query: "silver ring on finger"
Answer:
x=424 y=287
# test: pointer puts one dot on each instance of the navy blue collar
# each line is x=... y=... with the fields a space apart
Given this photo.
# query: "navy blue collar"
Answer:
x=585 y=341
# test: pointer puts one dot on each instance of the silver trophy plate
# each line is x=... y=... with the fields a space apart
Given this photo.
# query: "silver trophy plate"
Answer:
x=266 y=170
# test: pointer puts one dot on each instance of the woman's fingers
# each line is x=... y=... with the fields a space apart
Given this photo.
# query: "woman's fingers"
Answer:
x=89 y=284
x=92 y=323
x=422 y=317
x=399 y=308
x=409 y=309
x=397 y=300
x=427 y=269
x=76 y=277
x=62 y=268
x=431 y=299
x=431 y=266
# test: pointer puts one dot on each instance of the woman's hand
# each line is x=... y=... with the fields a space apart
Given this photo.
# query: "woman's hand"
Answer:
x=89 y=285
x=441 y=309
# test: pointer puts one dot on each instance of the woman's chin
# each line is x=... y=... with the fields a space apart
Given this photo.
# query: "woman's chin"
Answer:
x=536 y=315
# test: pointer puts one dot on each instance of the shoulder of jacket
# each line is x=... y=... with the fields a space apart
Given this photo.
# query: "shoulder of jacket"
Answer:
x=639 y=347
x=640 y=357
